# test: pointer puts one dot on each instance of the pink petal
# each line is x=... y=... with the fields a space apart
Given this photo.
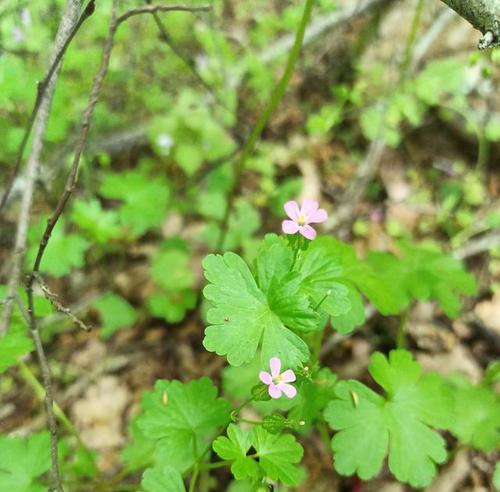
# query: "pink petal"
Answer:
x=275 y=365
x=288 y=376
x=265 y=377
x=274 y=391
x=289 y=227
x=292 y=209
x=308 y=208
x=288 y=389
x=308 y=232
x=317 y=217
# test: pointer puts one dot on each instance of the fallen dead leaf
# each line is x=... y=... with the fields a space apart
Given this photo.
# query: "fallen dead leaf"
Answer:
x=98 y=415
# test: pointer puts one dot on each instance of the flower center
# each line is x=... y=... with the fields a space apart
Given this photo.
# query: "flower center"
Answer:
x=278 y=379
x=301 y=220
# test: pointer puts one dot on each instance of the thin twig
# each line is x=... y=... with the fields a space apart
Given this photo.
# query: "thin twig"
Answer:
x=54 y=300
x=35 y=333
x=87 y=117
x=165 y=38
x=151 y=9
x=38 y=119
x=276 y=97
x=42 y=89
x=56 y=214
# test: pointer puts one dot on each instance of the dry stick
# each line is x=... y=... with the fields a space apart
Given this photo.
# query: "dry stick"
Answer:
x=165 y=38
x=70 y=185
x=42 y=90
x=484 y=15
x=276 y=97
x=96 y=88
x=39 y=120
x=54 y=300
x=478 y=246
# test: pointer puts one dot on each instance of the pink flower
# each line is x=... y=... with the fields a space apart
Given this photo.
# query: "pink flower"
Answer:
x=309 y=213
x=278 y=382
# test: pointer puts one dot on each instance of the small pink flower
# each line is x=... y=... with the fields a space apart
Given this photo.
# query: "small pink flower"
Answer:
x=278 y=382
x=309 y=213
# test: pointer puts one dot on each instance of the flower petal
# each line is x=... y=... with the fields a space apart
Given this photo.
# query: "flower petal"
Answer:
x=292 y=209
x=289 y=390
x=275 y=365
x=308 y=208
x=289 y=227
x=308 y=232
x=274 y=391
x=265 y=377
x=288 y=376
x=317 y=217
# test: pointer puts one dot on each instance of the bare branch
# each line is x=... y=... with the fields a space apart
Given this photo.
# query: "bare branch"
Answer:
x=42 y=89
x=151 y=9
x=54 y=300
x=484 y=15
x=39 y=120
x=87 y=117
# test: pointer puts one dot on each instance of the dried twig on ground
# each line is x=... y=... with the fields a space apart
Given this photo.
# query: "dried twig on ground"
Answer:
x=478 y=246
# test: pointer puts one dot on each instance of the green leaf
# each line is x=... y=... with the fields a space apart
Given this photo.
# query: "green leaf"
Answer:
x=100 y=225
x=422 y=273
x=477 y=416
x=370 y=426
x=234 y=448
x=144 y=199
x=162 y=479
x=139 y=451
x=277 y=455
x=283 y=289
x=182 y=418
x=170 y=270
x=172 y=273
x=312 y=397
x=115 y=312
x=63 y=253
x=496 y=476
x=332 y=268
x=321 y=273
x=14 y=344
x=242 y=318
x=22 y=461
x=438 y=78
x=171 y=306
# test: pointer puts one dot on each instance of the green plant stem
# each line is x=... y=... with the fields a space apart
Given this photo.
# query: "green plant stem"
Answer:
x=410 y=40
x=39 y=391
x=323 y=432
x=194 y=478
x=483 y=151
x=276 y=97
x=317 y=338
x=248 y=421
x=401 y=335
